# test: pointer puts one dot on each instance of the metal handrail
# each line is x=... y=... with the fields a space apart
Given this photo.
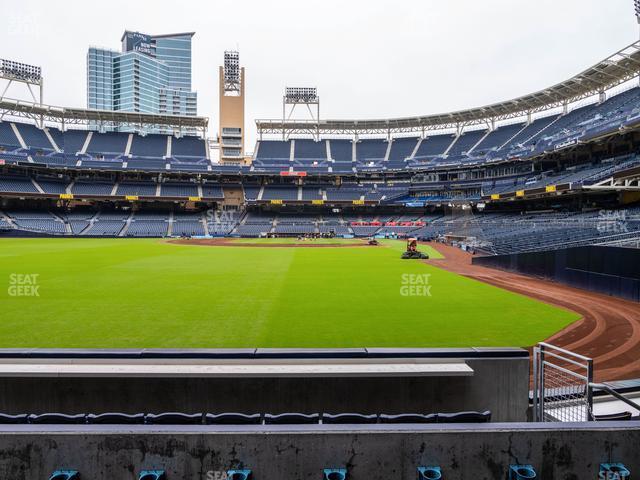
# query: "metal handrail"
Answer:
x=619 y=396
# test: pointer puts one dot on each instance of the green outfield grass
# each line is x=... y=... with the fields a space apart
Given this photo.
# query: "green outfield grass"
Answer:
x=126 y=293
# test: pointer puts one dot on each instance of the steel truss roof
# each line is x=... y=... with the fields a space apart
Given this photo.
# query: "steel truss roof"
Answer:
x=74 y=116
x=618 y=68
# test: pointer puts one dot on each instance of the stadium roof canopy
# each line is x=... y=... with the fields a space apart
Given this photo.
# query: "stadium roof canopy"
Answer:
x=71 y=116
x=618 y=68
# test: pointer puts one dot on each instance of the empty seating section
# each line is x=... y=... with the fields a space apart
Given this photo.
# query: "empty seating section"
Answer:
x=498 y=138
x=34 y=137
x=188 y=147
x=276 y=149
x=8 y=137
x=310 y=150
x=402 y=148
x=92 y=188
x=17 y=185
x=276 y=192
x=188 y=154
x=251 y=192
x=294 y=229
x=312 y=192
x=78 y=221
x=179 y=190
x=142 y=189
x=141 y=227
x=222 y=222
x=149 y=146
x=341 y=150
x=57 y=136
x=371 y=150
x=532 y=129
x=434 y=145
x=345 y=193
x=187 y=228
x=52 y=186
x=466 y=142
x=114 y=143
x=146 y=164
x=36 y=221
x=104 y=164
x=73 y=141
x=212 y=191
x=515 y=232
x=107 y=224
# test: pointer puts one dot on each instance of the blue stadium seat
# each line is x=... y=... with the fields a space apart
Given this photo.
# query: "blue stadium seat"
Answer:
x=429 y=473
x=232 y=419
x=465 y=417
x=291 y=419
x=348 y=418
x=65 y=475
x=8 y=419
x=173 y=418
x=152 y=475
x=334 y=474
x=408 y=418
x=116 y=418
x=57 y=418
x=521 y=472
x=244 y=474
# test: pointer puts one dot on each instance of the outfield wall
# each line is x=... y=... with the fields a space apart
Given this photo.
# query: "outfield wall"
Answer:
x=609 y=270
x=369 y=452
x=499 y=382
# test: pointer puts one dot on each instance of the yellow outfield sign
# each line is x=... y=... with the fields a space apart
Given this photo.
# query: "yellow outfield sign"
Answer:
x=317 y=202
x=495 y=196
x=66 y=196
x=550 y=188
x=358 y=202
x=131 y=198
x=195 y=199
x=520 y=193
x=276 y=202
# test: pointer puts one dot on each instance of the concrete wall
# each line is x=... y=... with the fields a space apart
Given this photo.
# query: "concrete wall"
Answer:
x=557 y=451
x=609 y=270
x=498 y=384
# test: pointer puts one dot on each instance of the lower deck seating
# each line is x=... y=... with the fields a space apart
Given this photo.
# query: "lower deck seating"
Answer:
x=235 y=418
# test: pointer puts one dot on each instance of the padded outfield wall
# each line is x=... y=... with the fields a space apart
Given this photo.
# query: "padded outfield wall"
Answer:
x=609 y=270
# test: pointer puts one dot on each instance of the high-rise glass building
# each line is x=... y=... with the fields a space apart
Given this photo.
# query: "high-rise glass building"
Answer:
x=151 y=74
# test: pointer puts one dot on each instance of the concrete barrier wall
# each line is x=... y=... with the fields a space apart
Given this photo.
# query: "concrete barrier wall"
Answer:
x=556 y=451
x=609 y=270
x=497 y=384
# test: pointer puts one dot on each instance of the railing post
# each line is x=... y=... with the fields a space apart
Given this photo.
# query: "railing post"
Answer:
x=541 y=384
x=590 y=415
x=535 y=383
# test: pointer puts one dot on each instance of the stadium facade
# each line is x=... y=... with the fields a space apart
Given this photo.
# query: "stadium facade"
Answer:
x=151 y=74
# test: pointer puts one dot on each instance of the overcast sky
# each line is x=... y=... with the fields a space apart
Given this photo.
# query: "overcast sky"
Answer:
x=368 y=58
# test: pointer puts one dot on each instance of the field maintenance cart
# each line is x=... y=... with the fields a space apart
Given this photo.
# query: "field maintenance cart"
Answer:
x=413 y=252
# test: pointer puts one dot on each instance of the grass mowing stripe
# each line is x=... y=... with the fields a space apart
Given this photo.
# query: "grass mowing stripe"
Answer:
x=119 y=293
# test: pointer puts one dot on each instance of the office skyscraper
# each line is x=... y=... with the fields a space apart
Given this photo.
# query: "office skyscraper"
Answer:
x=151 y=74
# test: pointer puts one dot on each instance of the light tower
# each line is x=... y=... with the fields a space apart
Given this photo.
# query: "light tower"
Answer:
x=308 y=96
x=22 y=73
x=231 y=132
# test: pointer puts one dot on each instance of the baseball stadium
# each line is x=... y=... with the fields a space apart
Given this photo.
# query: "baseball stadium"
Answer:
x=454 y=295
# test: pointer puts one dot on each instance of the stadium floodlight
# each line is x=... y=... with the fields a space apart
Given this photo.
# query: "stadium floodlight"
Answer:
x=308 y=95
x=232 y=71
x=636 y=3
x=21 y=72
